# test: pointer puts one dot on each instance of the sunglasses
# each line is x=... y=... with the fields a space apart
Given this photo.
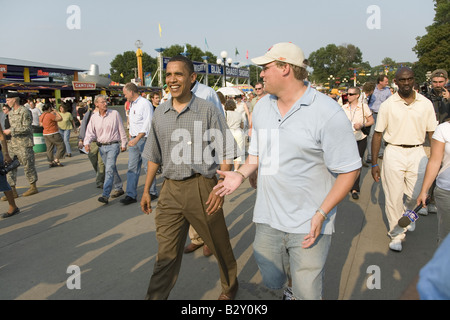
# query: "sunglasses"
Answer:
x=352 y=94
x=258 y=88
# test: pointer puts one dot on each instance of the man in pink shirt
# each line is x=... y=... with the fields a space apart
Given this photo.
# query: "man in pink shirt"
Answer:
x=106 y=127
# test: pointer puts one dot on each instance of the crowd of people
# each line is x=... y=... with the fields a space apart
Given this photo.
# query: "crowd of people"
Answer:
x=296 y=136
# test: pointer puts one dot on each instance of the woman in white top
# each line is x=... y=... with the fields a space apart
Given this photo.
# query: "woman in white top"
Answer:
x=235 y=123
x=360 y=117
x=242 y=108
x=439 y=166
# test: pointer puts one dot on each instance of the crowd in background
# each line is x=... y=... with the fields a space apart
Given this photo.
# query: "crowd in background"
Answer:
x=365 y=107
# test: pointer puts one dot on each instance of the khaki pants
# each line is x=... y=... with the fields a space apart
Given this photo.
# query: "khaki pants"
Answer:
x=97 y=163
x=182 y=203
x=402 y=175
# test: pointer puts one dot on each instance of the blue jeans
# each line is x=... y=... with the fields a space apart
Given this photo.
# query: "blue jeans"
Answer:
x=65 y=134
x=135 y=162
x=109 y=154
x=280 y=257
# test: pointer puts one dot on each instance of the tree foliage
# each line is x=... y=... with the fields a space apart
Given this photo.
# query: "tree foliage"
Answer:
x=194 y=53
x=336 y=61
x=433 y=49
x=124 y=64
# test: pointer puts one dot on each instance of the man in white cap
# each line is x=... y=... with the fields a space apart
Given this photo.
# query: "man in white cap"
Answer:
x=305 y=152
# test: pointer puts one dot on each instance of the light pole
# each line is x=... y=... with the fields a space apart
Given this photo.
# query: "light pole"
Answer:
x=160 y=66
x=205 y=61
x=224 y=61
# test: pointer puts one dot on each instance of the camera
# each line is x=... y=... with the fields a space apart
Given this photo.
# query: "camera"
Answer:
x=424 y=89
x=4 y=169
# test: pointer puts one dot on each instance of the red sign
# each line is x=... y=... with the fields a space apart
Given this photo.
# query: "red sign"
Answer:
x=3 y=68
x=42 y=73
x=78 y=85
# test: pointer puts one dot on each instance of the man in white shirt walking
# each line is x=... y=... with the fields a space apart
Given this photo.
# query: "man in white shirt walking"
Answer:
x=140 y=115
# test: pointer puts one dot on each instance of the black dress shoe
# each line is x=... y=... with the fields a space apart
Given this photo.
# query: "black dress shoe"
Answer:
x=103 y=199
x=153 y=196
x=128 y=200
x=7 y=215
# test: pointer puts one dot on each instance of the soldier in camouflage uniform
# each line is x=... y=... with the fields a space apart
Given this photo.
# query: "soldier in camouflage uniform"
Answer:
x=21 y=144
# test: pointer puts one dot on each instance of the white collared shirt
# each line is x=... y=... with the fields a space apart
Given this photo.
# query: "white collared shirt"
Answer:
x=140 y=116
x=403 y=123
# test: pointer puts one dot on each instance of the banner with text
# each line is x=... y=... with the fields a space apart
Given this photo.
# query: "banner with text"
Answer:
x=215 y=69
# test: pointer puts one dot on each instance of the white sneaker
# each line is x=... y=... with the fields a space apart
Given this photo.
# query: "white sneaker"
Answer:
x=288 y=294
x=431 y=208
x=411 y=227
x=423 y=212
x=395 y=245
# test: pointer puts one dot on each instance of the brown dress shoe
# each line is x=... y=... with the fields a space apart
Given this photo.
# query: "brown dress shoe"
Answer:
x=192 y=247
x=228 y=296
x=207 y=251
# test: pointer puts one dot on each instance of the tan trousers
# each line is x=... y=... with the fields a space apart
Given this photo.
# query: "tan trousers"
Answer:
x=182 y=203
x=402 y=175
x=195 y=237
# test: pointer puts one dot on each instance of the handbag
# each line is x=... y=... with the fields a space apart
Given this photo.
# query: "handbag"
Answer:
x=364 y=129
x=5 y=168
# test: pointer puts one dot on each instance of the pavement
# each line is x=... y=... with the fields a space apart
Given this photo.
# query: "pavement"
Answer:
x=65 y=245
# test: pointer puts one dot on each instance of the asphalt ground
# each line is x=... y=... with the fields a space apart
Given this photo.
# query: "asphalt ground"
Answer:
x=64 y=230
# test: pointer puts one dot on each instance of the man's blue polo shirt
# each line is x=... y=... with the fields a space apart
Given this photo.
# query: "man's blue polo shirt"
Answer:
x=300 y=156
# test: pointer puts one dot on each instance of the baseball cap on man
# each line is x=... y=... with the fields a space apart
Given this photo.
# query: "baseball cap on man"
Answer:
x=285 y=52
x=439 y=73
x=12 y=95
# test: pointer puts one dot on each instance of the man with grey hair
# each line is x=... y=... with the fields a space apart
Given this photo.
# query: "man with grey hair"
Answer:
x=304 y=149
x=106 y=127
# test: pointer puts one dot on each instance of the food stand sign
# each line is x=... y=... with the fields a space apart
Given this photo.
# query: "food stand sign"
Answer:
x=79 y=85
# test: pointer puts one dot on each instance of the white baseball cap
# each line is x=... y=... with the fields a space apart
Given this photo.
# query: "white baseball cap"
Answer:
x=284 y=52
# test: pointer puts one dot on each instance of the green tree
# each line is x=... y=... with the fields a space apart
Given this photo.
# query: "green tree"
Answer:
x=388 y=67
x=124 y=64
x=433 y=49
x=336 y=61
x=194 y=53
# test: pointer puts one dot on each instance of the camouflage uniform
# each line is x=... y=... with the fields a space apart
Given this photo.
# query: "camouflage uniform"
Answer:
x=22 y=144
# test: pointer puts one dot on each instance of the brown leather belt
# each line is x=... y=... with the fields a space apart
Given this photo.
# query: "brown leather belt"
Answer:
x=107 y=143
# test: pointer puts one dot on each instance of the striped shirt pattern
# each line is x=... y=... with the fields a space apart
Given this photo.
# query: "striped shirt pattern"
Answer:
x=194 y=141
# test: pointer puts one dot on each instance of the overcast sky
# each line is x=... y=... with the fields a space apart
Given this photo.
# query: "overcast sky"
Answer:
x=95 y=31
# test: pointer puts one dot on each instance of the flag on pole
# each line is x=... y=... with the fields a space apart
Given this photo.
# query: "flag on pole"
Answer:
x=160 y=31
x=236 y=52
x=246 y=56
x=206 y=44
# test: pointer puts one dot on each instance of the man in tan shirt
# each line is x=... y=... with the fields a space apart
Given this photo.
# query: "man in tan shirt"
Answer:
x=403 y=119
